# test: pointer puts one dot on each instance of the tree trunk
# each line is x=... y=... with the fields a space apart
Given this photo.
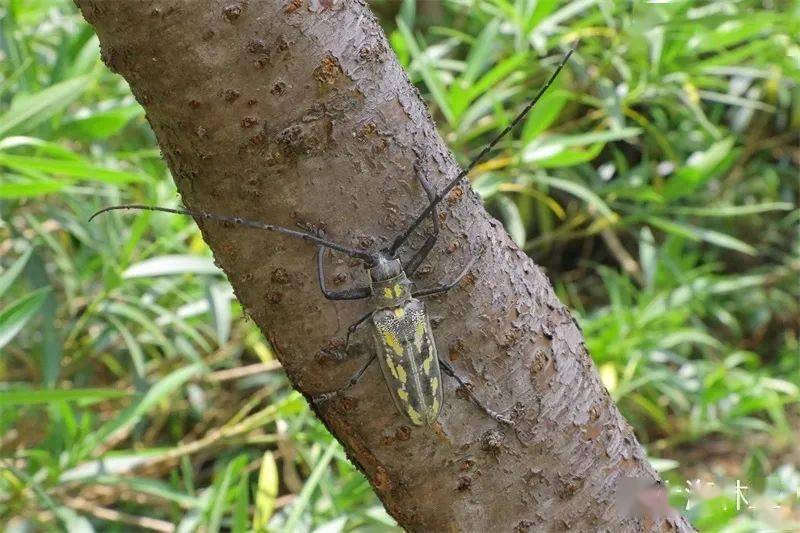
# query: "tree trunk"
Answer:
x=298 y=112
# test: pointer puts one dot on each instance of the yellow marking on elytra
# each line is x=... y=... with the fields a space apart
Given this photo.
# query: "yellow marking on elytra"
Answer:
x=393 y=343
x=387 y=293
x=401 y=374
x=391 y=366
x=399 y=290
x=402 y=394
x=434 y=407
x=426 y=364
x=399 y=312
x=434 y=386
x=414 y=415
x=419 y=335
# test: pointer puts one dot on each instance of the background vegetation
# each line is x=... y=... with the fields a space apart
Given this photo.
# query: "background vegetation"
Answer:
x=657 y=184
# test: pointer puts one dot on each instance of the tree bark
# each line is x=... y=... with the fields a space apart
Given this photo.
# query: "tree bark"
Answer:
x=298 y=112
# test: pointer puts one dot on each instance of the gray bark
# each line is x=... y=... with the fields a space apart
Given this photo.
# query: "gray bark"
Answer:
x=295 y=112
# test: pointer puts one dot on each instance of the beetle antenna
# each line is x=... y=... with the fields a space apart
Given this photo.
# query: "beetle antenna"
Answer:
x=398 y=242
x=249 y=224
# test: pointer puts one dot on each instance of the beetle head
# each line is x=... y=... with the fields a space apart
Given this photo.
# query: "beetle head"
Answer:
x=384 y=269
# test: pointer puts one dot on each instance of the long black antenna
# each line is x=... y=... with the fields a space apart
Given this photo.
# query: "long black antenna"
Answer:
x=398 y=242
x=247 y=223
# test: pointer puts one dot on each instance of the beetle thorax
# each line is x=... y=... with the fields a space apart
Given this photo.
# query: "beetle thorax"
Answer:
x=390 y=285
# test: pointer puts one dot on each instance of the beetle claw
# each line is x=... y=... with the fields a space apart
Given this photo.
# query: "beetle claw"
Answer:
x=327 y=354
x=324 y=397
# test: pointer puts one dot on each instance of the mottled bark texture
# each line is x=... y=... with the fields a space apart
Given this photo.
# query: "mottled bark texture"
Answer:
x=298 y=112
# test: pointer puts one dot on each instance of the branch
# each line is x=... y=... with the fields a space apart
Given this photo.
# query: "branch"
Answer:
x=300 y=114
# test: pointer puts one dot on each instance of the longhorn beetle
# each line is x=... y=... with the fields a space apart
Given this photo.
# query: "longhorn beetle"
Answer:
x=403 y=338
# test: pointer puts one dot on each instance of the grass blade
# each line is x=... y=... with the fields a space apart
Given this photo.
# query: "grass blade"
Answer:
x=300 y=504
x=38 y=396
x=159 y=392
x=11 y=273
x=16 y=315
x=27 y=111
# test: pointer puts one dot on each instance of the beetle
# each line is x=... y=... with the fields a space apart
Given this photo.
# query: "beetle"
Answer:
x=402 y=335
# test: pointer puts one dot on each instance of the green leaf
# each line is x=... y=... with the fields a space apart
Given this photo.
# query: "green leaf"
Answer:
x=16 y=315
x=544 y=114
x=241 y=510
x=700 y=167
x=27 y=111
x=70 y=168
x=30 y=188
x=300 y=504
x=487 y=184
x=480 y=52
x=580 y=191
x=161 y=391
x=512 y=219
x=220 y=501
x=701 y=234
x=41 y=146
x=571 y=157
x=100 y=124
x=109 y=466
x=11 y=273
x=170 y=265
x=497 y=73
x=732 y=210
x=548 y=147
x=429 y=74
x=219 y=297
x=153 y=487
x=266 y=493
x=134 y=348
x=37 y=396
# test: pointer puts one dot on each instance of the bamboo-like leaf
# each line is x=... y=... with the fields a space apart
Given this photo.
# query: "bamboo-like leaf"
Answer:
x=512 y=219
x=159 y=392
x=700 y=167
x=170 y=265
x=219 y=301
x=100 y=124
x=221 y=488
x=579 y=191
x=38 y=396
x=28 y=110
x=266 y=493
x=429 y=74
x=702 y=234
x=16 y=315
x=25 y=188
x=480 y=52
x=542 y=116
x=69 y=168
x=548 y=147
x=300 y=504
x=11 y=273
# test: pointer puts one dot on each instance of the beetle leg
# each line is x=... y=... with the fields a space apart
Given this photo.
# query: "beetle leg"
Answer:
x=356 y=293
x=447 y=286
x=344 y=352
x=423 y=252
x=325 y=396
x=447 y=369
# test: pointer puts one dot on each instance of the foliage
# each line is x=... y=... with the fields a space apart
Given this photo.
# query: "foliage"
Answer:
x=657 y=184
